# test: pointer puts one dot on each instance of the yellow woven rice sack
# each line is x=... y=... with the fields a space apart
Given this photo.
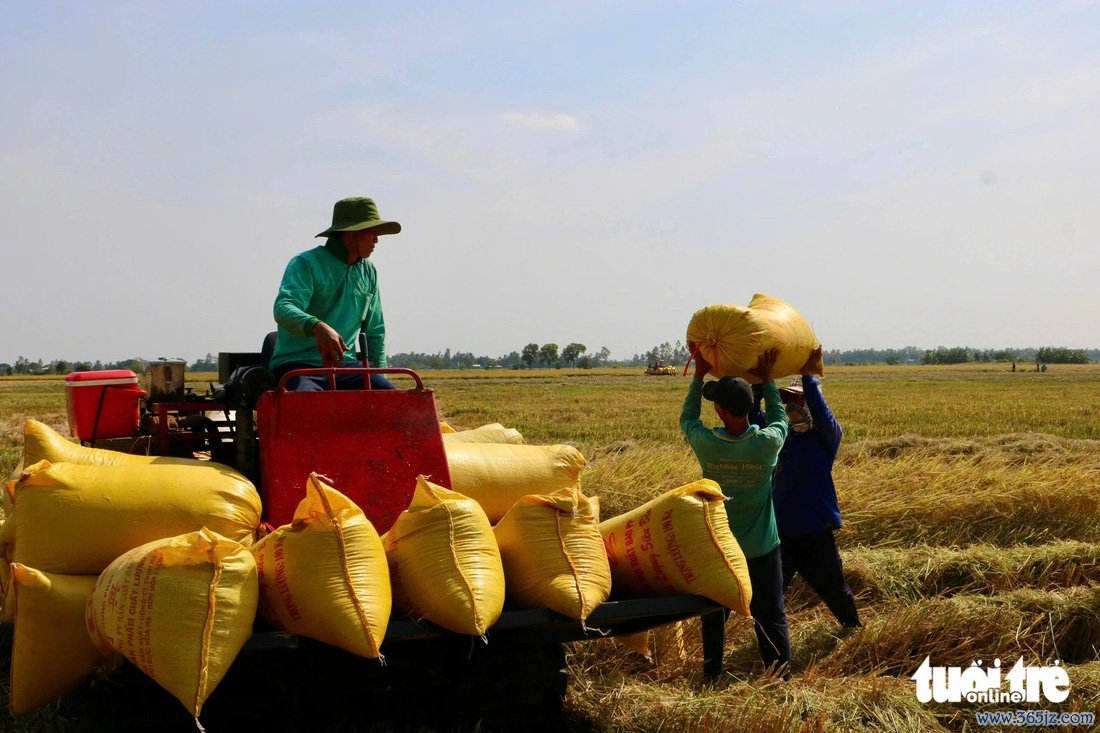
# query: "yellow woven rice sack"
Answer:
x=496 y=475
x=445 y=427
x=679 y=542
x=179 y=609
x=492 y=433
x=51 y=652
x=76 y=519
x=444 y=563
x=732 y=337
x=325 y=575
x=553 y=553
x=42 y=443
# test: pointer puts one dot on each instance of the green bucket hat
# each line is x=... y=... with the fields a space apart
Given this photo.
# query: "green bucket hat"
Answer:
x=357 y=213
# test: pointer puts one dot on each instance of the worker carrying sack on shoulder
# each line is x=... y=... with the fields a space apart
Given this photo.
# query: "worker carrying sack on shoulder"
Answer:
x=325 y=575
x=444 y=563
x=553 y=553
x=179 y=609
x=496 y=475
x=76 y=519
x=679 y=542
x=732 y=337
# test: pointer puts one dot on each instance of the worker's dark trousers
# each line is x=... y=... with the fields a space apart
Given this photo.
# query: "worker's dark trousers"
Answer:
x=815 y=557
x=321 y=383
x=769 y=616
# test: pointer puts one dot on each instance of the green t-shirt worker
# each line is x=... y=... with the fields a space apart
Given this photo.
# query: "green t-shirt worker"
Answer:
x=328 y=296
x=741 y=458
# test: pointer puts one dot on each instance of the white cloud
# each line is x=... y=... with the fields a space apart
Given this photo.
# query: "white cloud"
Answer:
x=568 y=123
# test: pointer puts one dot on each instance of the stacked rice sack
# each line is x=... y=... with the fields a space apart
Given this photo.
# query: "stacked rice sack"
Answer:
x=444 y=563
x=732 y=337
x=553 y=553
x=546 y=529
x=132 y=555
x=179 y=608
x=497 y=474
x=679 y=542
x=325 y=575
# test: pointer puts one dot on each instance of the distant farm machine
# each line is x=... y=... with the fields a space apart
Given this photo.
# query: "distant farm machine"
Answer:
x=659 y=369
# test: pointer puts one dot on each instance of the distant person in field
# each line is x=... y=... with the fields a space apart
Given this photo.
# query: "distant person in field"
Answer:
x=806 y=509
x=741 y=457
x=328 y=296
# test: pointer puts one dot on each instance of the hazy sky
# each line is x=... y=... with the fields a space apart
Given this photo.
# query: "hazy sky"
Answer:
x=903 y=173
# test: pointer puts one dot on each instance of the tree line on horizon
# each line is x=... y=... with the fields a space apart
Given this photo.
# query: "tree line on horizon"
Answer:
x=576 y=355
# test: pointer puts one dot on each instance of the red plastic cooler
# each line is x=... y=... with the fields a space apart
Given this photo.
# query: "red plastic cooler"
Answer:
x=102 y=404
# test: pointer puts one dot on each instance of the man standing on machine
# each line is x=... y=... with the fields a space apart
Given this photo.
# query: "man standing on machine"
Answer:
x=328 y=296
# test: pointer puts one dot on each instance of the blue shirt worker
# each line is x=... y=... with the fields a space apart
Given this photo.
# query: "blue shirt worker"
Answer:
x=806 y=509
x=741 y=458
x=328 y=296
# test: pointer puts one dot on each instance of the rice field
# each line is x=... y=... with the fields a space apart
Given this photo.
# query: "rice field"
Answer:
x=971 y=497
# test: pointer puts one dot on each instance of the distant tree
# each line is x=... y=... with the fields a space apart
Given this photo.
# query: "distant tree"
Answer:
x=530 y=354
x=603 y=355
x=548 y=354
x=571 y=352
x=60 y=367
x=1061 y=355
x=943 y=355
x=5 y=369
x=585 y=362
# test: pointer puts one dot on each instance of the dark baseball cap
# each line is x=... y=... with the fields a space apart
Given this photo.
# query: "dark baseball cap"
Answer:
x=733 y=394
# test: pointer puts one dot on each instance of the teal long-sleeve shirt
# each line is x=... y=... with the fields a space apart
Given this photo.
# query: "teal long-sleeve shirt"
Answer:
x=319 y=285
x=742 y=465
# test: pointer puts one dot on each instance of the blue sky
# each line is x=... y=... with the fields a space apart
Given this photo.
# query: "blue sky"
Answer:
x=902 y=173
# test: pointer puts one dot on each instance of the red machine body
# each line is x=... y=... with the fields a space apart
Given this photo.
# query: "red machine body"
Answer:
x=370 y=443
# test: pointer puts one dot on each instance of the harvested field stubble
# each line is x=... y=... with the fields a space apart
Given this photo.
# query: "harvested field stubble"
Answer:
x=971 y=497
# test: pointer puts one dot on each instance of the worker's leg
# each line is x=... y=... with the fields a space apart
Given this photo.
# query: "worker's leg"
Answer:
x=355 y=381
x=823 y=570
x=319 y=383
x=299 y=384
x=769 y=616
x=789 y=556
